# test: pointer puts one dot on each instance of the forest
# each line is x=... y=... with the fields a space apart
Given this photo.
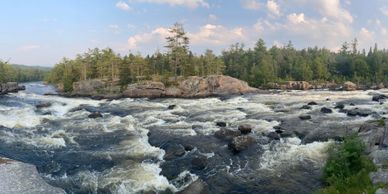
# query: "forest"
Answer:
x=259 y=65
x=21 y=73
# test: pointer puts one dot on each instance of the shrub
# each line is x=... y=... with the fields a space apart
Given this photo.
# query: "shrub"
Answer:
x=347 y=168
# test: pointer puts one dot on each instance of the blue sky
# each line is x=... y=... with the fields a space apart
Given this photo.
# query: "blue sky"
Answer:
x=41 y=32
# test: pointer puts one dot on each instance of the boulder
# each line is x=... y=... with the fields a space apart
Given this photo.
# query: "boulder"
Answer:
x=241 y=143
x=199 y=162
x=148 y=89
x=88 y=87
x=94 y=115
x=379 y=157
x=304 y=117
x=273 y=135
x=359 y=112
x=170 y=107
x=326 y=110
x=245 y=128
x=372 y=133
x=10 y=87
x=381 y=176
x=221 y=124
x=173 y=151
x=381 y=191
x=227 y=134
x=339 y=106
x=312 y=103
x=378 y=97
x=305 y=107
x=43 y=105
x=22 y=178
x=349 y=86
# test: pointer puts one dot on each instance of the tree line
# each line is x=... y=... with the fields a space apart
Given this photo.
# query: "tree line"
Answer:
x=21 y=73
x=259 y=65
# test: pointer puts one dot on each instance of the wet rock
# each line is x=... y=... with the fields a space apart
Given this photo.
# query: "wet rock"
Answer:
x=279 y=131
x=305 y=107
x=43 y=105
x=381 y=176
x=339 y=106
x=263 y=140
x=287 y=133
x=349 y=86
x=241 y=143
x=312 y=103
x=170 y=107
x=381 y=191
x=372 y=133
x=352 y=104
x=221 y=124
x=326 y=110
x=227 y=134
x=319 y=135
x=21 y=178
x=199 y=162
x=359 y=112
x=304 y=117
x=95 y=115
x=189 y=147
x=378 y=97
x=197 y=127
x=245 y=128
x=273 y=135
x=197 y=187
x=173 y=151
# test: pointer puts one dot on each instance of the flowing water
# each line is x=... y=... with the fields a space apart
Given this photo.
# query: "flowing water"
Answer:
x=123 y=152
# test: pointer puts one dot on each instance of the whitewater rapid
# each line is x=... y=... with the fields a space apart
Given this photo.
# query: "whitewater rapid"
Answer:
x=123 y=152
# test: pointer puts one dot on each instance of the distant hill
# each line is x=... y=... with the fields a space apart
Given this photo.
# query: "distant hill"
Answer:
x=25 y=67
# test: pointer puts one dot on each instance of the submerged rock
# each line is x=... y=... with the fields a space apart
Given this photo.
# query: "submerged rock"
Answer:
x=221 y=124
x=170 y=107
x=43 y=105
x=312 y=103
x=21 y=178
x=245 y=128
x=339 y=106
x=197 y=187
x=95 y=115
x=173 y=151
x=273 y=135
x=379 y=97
x=305 y=117
x=305 y=107
x=326 y=110
x=241 y=143
x=199 y=162
x=227 y=134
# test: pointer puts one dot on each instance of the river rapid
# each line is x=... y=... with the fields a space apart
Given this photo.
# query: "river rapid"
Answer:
x=125 y=151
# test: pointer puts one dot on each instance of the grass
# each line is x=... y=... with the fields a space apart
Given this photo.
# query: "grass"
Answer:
x=347 y=169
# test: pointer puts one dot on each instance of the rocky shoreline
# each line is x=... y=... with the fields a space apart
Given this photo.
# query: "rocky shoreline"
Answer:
x=22 y=178
x=10 y=87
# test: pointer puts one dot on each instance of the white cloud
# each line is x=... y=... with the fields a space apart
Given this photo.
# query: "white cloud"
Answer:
x=123 y=6
x=365 y=38
x=296 y=18
x=384 y=10
x=155 y=37
x=250 y=4
x=216 y=35
x=186 y=3
x=114 y=28
x=212 y=17
x=29 y=47
x=333 y=9
x=273 y=8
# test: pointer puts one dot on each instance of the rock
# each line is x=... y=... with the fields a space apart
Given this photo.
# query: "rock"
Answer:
x=241 y=143
x=199 y=162
x=339 y=106
x=21 y=178
x=149 y=89
x=359 y=112
x=352 y=104
x=88 y=87
x=326 y=110
x=305 y=107
x=245 y=128
x=379 y=157
x=378 y=97
x=349 y=86
x=381 y=176
x=43 y=105
x=173 y=151
x=95 y=115
x=312 y=103
x=226 y=134
x=279 y=131
x=10 y=87
x=170 y=107
x=221 y=124
x=273 y=135
x=196 y=127
x=381 y=191
x=304 y=117
x=189 y=147
x=197 y=187
x=213 y=85
x=372 y=133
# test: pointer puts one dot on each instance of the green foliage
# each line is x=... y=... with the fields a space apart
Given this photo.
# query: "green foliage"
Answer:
x=347 y=168
x=20 y=73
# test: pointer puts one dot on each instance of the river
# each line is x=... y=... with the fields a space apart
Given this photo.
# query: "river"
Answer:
x=125 y=150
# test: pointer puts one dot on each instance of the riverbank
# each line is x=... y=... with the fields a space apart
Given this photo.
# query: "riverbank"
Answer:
x=10 y=87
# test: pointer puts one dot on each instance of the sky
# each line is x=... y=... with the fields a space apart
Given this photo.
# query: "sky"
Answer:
x=42 y=32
